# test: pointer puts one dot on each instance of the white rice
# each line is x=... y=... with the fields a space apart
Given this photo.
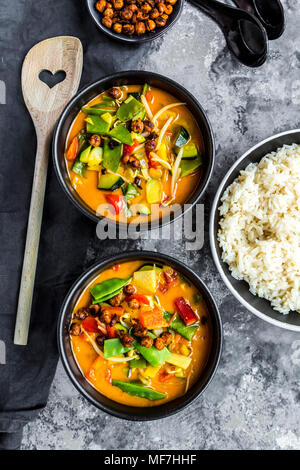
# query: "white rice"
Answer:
x=260 y=228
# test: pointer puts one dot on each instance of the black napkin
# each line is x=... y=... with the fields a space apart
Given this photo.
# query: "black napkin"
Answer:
x=26 y=372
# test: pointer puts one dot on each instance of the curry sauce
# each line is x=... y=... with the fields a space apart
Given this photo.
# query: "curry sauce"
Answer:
x=147 y=315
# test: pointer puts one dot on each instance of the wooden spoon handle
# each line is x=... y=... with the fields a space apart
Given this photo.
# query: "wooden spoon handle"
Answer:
x=32 y=240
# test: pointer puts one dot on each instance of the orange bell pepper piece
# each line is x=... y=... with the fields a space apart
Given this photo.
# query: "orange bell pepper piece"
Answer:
x=152 y=319
x=73 y=149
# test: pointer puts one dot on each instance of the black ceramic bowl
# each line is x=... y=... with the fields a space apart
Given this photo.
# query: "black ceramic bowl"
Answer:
x=130 y=78
x=240 y=289
x=135 y=39
x=95 y=397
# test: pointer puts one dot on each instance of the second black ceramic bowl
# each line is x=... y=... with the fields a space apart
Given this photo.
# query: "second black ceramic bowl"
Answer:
x=95 y=397
x=131 y=78
x=148 y=36
x=240 y=289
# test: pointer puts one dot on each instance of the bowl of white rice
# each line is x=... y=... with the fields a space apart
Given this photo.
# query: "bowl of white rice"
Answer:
x=255 y=230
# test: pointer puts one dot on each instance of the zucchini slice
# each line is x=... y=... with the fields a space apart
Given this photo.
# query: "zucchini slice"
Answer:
x=149 y=267
x=109 y=182
x=182 y=137
x=190 y=166
x=189 y=151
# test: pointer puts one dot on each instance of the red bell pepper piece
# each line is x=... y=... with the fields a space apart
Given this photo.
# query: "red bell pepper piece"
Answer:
x=165 y=376
x=185 y=311
x=111 y=332
x=129 y=149
x=116 y=267
x=149 y=96
x=140 y=298
x=90 y=325
x=73 y=149
x=116 y=201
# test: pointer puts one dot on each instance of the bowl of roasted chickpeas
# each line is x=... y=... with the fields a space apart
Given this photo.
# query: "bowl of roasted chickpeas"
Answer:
x=135 y=21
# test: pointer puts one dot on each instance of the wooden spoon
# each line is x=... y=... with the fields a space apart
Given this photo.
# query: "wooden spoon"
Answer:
x=64 y=55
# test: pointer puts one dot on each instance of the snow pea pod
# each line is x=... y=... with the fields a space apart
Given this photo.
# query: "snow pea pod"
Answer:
x=177 y=325
x=79 y=167
x=129 y=109
x=138 y=390
x=107 y=297
x=105 y=288
x=154 y=356
x=114 y=347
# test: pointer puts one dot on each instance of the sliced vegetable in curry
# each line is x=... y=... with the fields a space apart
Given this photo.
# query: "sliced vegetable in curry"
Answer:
x=132 y=147
x=141 y=333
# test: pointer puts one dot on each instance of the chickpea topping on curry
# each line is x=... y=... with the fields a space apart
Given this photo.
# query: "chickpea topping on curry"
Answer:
x=141 y=335
x=135 y=16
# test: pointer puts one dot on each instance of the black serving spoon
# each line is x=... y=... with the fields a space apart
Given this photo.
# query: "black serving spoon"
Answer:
x=244 y=34
x=269 y=12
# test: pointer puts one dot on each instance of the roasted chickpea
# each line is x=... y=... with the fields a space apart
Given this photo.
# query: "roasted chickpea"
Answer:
x=126 y=14
x=107 y=21
x=160 y=21
x=126 y=339
x=134 y=162
x=81 y=314
x=128 y=29
x=154 y=13
x=146 y=7
x=141 y=16
x=137 y=125
x=118 y=4
x=150 y=146
x=134 y=304
x=150 y=25
x=168 y=9
x=115 y=93
x=95 y=140
x=159 y=344
x=133 y=7
x=94 y=310
x=106 y=316
x=167 y=338
x=75 y=329
x=140 y=28
x=147 y=342
x=129 y=289
x=108 y=12
x=117 y=27
x=100 y=5
x=117 y=300
x=148 y=126
x=139 y=330
x=161 y=8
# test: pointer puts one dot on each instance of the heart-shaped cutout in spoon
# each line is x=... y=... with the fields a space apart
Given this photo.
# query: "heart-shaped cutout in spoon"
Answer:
x=52 y=79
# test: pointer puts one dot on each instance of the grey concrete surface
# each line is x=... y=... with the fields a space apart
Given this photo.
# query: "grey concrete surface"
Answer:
x=254 y=399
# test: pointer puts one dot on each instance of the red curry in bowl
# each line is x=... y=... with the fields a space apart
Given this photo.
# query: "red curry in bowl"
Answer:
x=141 y=334
x=133 y=152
